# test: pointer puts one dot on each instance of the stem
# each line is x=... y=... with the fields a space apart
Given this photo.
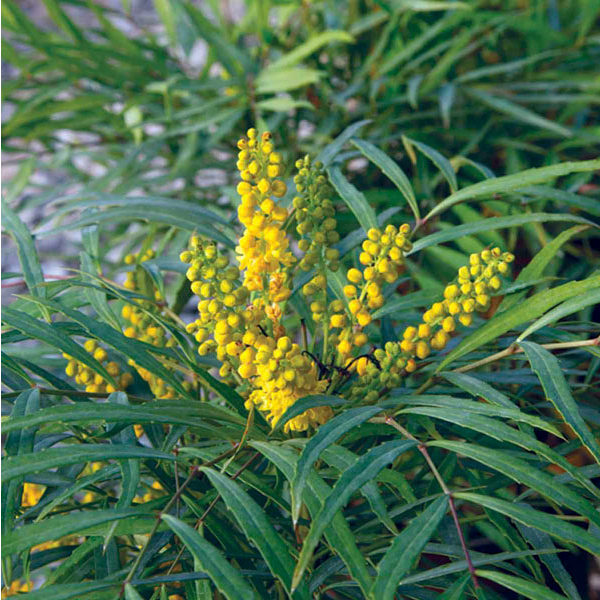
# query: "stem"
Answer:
x=515 y=349
x=423 y=450
x=210 y=507
x=193 y=472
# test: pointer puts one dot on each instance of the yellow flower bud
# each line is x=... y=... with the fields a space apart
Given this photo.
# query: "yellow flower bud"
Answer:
x=349 y=291
x=448 y=324
x=363 y=318
x=451 y=291
x=354 y=276
x=354 y=306
x=422 y=350
x=424 y=331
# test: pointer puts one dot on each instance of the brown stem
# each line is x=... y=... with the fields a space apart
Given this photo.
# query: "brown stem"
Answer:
x=423 y=450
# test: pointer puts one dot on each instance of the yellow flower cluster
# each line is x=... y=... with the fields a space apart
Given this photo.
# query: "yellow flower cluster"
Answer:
x=468 y=293
x=94 y=382
x=314 y=214
x=15 y=587
x=142 y=326
x=382 y=258
x=248 y=337
x=263 y=250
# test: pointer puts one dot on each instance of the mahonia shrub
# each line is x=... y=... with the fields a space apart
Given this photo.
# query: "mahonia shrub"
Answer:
x=299 y=433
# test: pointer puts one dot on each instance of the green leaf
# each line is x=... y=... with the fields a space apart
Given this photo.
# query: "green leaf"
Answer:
x=337 y=533
x=167 y=16
x=518 y=112
x=50 y=334
x=543 y=521
x=15 y=466
x=526 y=588
x=299 y=53
x=257 y=528
x=406 y=547
x=28 y=257
x=524 y=473
x=527 y=310
x=491 y=223
x=352 y=479
x=174 y=412
x=511 y=183
x=307 y=402
x=535 y=268
x=457 y=590
x=57 y=527
x=396 y=304
x=283 y=104
x=130 y=593
x=568 y=307
x=392 y=170
x=331 y=151
x=541 y=540
x=547 y=367
x=228 y=580
x=271 y=81
x=327 y=434
x=67 y=591
x=354 y=199
x=440 y=161
x=478 y=388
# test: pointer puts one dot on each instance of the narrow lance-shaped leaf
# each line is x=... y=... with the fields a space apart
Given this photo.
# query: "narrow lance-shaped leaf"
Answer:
x=15 y=466
x=525 y=473
x=548 y=369
x=257 y=528
x=365 y=469
x=510 y=183
x=228 y=580
x=562 y=310
x=337 y=533
x=527 y=588
x=543 y=521
x=391 y=170
x=326 y=435
x=405 y=549
x=355 y=200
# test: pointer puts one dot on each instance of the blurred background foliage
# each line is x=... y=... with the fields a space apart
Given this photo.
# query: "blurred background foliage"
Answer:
x=119 y=128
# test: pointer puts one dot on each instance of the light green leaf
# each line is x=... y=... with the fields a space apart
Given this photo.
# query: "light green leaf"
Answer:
x=283 y=104
x=548 y=369
x=257 y=528
x=527 y=310
x=366 y=468
x=392 y=170
x=543 y=521
x=228 y=580
x=355 y=200
x=568 y=307
x=330 y=152
x=478 y=388
x=272 y=81
x=406 y=547
x=526 y=588
x=307 y=48
x=511 y=183
x=167 y=16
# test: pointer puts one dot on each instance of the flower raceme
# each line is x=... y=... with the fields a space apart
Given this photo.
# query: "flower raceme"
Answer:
x=241 y=307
